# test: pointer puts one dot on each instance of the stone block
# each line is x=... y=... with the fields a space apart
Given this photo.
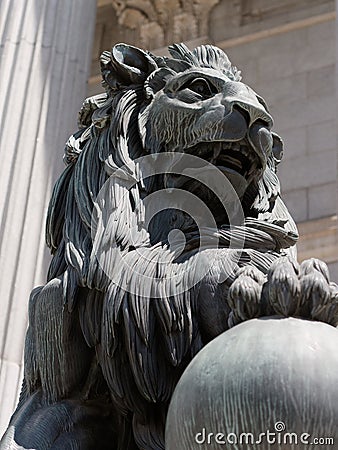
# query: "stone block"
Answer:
x=318 y=53
x=297 y=203
x=275 y=91
x=312 y=10
x=321 y=31
x=321 y=136
x=292 y=41
x=298 y=113
x=295 y=142
x=321 y=82
x=274 y=65
x=333 y=268
x=323 y=200
x=310 y=170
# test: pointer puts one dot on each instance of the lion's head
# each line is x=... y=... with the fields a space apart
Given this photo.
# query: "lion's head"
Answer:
x=111 y=258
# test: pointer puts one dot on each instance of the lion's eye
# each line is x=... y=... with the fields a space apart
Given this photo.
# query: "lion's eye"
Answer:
x=201 y=86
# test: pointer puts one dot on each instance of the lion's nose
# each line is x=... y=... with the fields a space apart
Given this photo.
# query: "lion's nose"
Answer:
x=237 y=95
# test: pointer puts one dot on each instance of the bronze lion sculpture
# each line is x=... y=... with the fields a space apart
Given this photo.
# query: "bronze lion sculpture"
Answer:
x=132 y=296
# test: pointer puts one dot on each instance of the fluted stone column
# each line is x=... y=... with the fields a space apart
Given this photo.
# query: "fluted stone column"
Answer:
x=45 y=54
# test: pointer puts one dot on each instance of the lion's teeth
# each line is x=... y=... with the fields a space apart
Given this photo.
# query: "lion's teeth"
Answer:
x=217 y=151
x=252 y=170
x=238 y=156
x=226 y=145
x=245 y=150
x=234 y=161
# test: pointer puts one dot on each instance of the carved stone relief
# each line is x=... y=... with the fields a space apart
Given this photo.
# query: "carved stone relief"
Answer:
x=156 y=23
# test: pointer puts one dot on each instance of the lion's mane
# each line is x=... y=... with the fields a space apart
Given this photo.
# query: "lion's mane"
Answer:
x=144 y=338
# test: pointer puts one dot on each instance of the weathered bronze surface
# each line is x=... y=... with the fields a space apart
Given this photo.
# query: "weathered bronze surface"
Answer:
x=167 y=228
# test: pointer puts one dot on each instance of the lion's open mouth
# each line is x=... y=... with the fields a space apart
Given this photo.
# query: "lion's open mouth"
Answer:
x=205 y=175
x=238 y=161
x=236 y=157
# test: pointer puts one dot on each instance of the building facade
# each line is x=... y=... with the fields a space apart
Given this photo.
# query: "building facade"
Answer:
x=286 y=50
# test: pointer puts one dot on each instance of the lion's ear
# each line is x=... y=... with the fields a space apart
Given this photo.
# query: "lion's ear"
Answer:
x=126 y=65
x=277 y=148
